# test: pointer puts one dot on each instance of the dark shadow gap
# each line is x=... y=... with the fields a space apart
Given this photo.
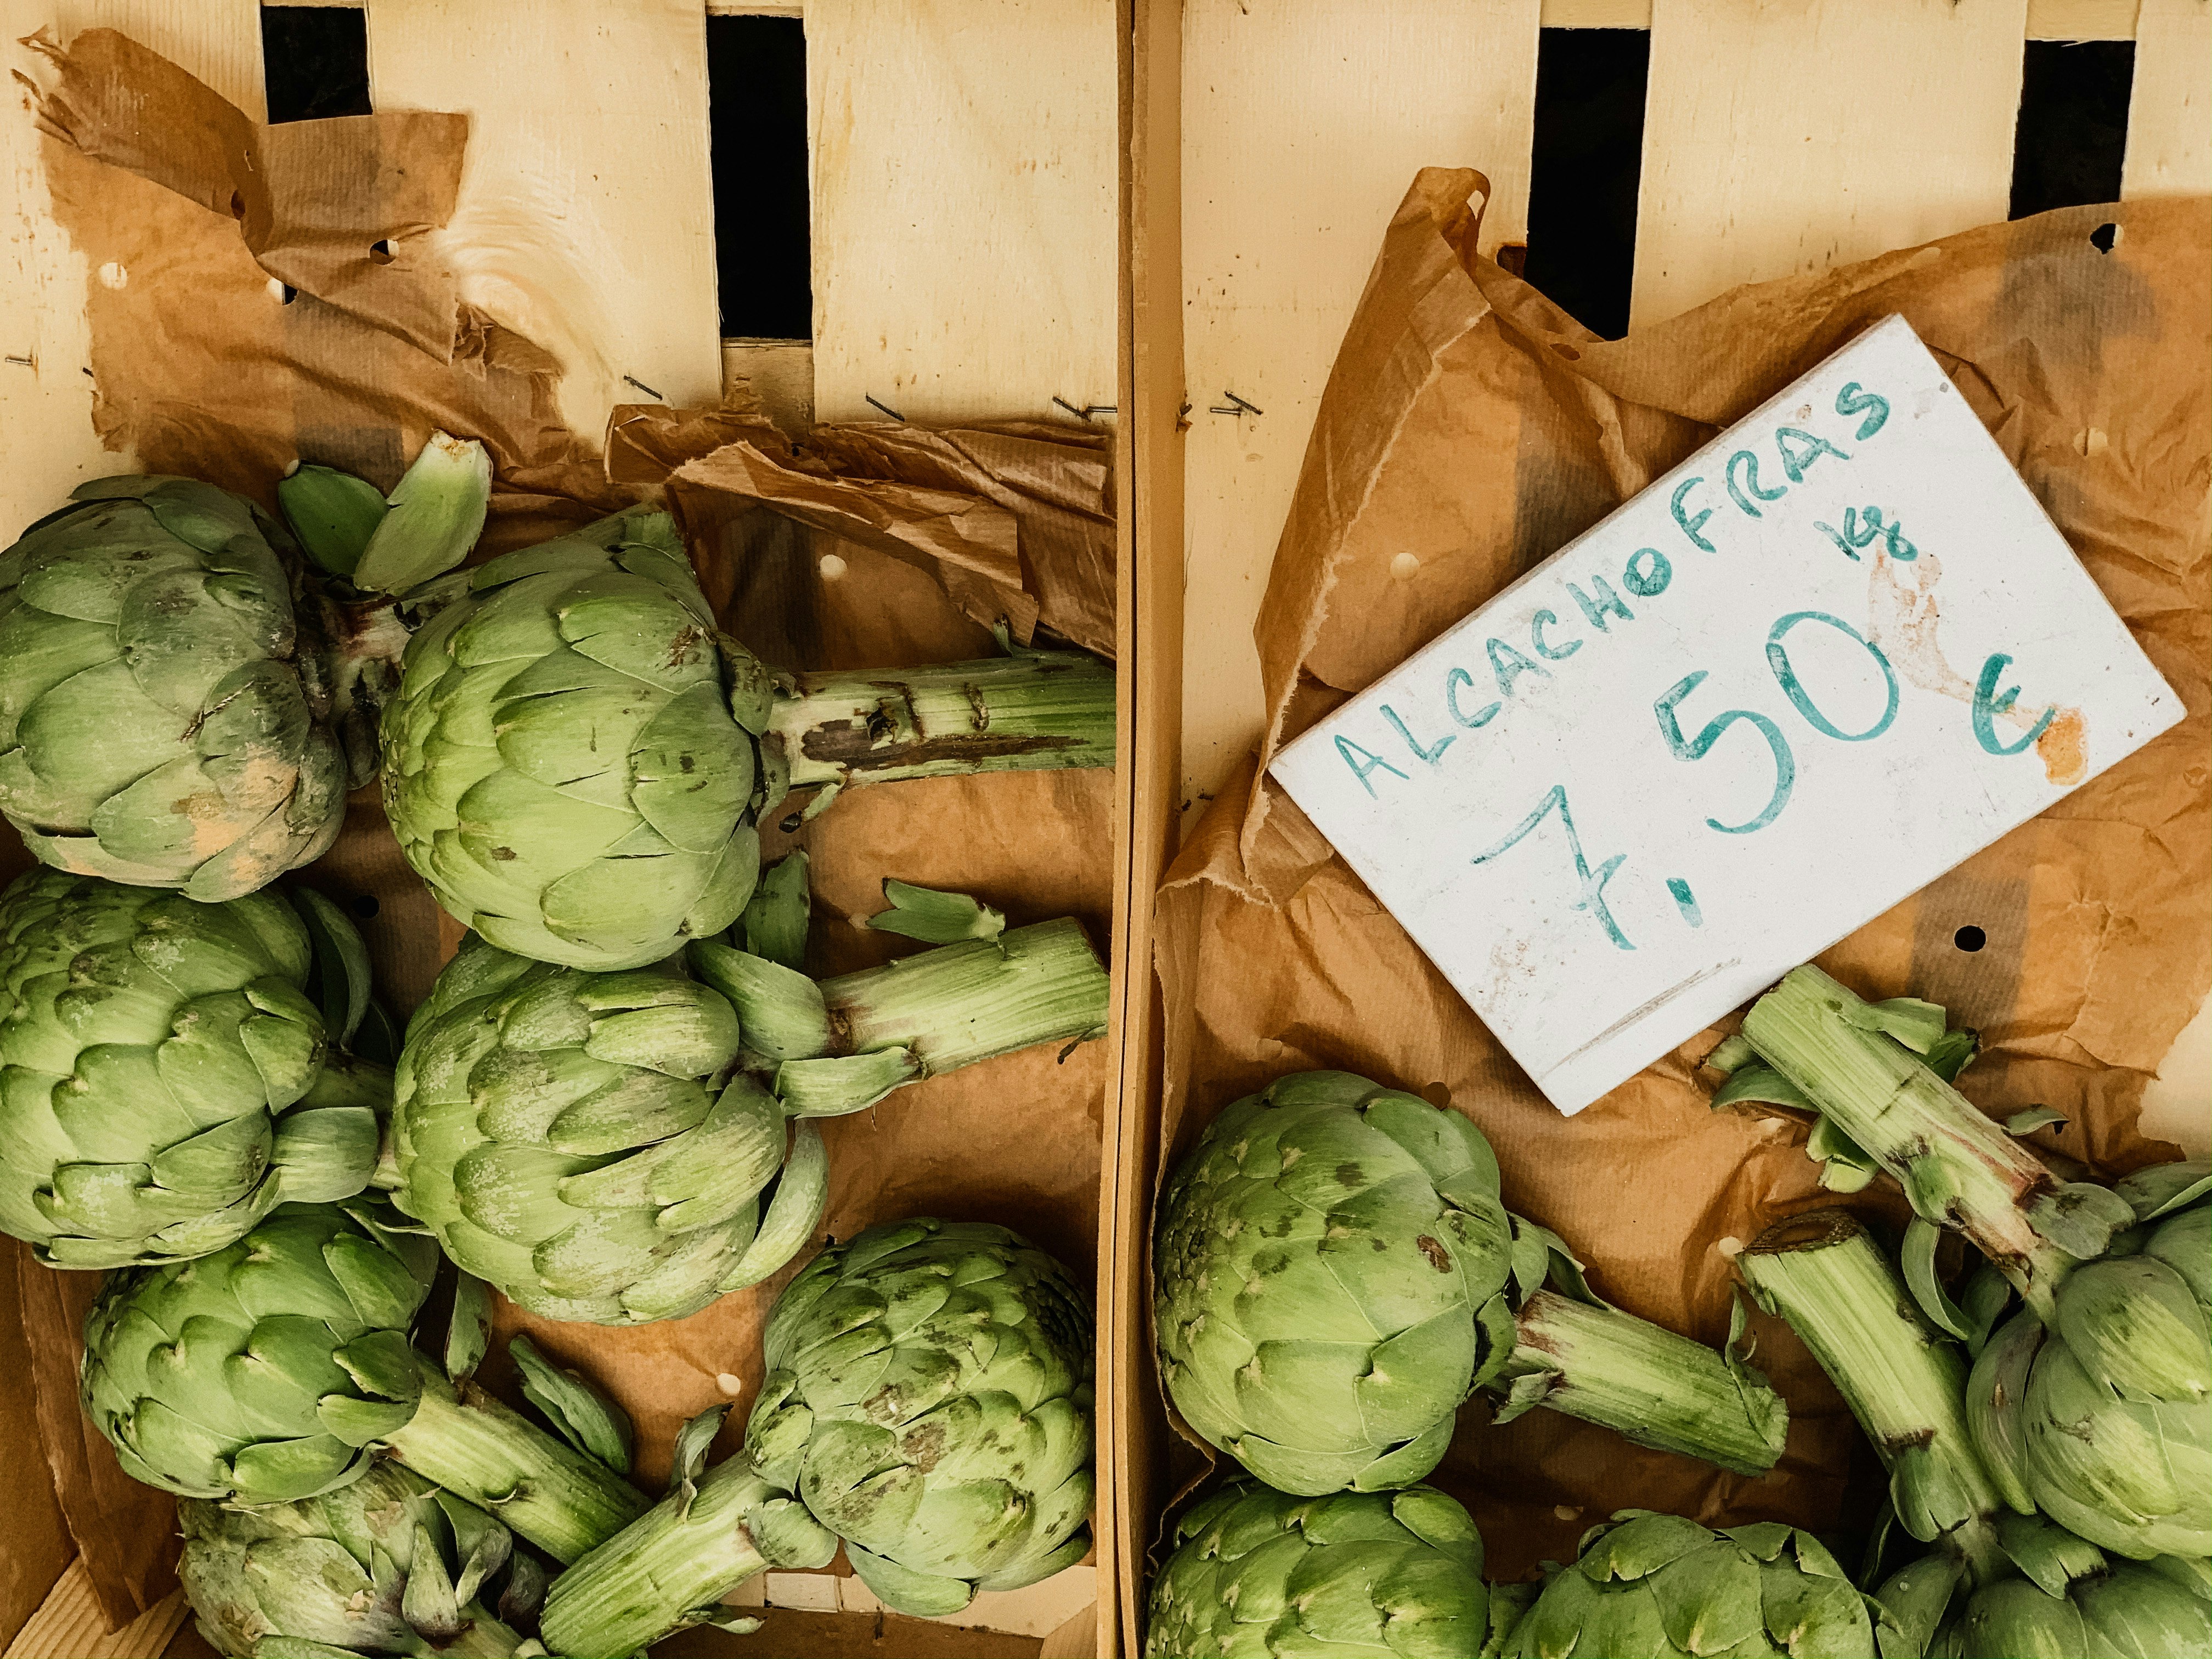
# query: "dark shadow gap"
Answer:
x=2073 y=132
x=757 y=115
x=314 y=62
x=1585 y=171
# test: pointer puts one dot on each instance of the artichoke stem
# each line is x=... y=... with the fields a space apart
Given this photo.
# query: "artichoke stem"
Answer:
x=1042 y=710
x=963 y=1003
x=1649 y=1385
x=1903 y=1383
x=1959 y=1169
x=665 y=1572
x=475 y=1447
x=483 y=1636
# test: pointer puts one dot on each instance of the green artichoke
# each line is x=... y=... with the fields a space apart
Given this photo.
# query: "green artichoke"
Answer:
x=275 y=1369
x=1360 y=1575
x=1657 y=1586
x=1334 y=1274
x=388 y=1564
x=670 y=1568
x=594 y=1144
x=165 y=1078
x=2089 y=1606
x=183 y=702
x=576 y=760
x=928 y=1397
x=2102 y=1421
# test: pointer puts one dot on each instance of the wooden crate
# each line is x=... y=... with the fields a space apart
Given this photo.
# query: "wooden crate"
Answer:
x=964 y=187
x=1273 y=139
x=1142 y=204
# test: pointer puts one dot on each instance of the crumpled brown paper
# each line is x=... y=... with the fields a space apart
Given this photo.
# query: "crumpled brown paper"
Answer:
x=1472 y=424
x=202 y=370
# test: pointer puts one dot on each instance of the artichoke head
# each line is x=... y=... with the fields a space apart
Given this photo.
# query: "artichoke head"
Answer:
x=263 y=1372
x=1361 y=1575
x=929 y=1398
x=573 y=758
x=168 y=716
x=2104 y=1420
x=586 y=1142
x=1651 y=1586
x=1331 y=1281
x=159 y=1065
x=390 y=1564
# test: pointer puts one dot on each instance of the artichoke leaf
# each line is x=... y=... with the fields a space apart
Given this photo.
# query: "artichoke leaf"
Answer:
x=586 y=1417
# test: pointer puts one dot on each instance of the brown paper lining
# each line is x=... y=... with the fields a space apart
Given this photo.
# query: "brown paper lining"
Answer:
x=202 y=369
x=1470 y=422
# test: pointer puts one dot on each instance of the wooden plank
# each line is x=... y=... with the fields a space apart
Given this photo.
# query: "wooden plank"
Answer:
x=2170 y=111
x=963 y=168
x=585 y=219
x=69 y=1625
x=45 y=387
x=1597 y=14
x=779 y=373
x=2081 y=20
x=1303 y=124
x=1783 y=137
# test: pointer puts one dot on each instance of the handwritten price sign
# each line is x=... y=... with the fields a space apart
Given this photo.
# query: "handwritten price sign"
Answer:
x=1832 y=655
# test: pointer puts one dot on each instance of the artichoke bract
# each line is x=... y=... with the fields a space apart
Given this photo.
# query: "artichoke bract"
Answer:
x=183 y=702
x=1650 y=1586
x=2086 y=1604
x=1361 y=1575
x=276 y=1368
x=1334 y=1274
x=929 y=1397
x=389 y=1564
x=577 y=760
x=165 y=1079
x=626 y=1147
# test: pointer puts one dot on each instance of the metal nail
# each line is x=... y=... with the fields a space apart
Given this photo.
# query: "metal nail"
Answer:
x=27 y=363
x=1086 y=411
x=886 y=407
x=1236 y=406
x=632 y=379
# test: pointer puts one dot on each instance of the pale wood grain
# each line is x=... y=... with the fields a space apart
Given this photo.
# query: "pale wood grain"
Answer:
x=1304 y=121
x=963 y=167
x=1783 y=137
x=2170 y=111
x=1597 y=14
x=2081 y=20
x=69 y=1625
x=585 y=219
x=45 y=385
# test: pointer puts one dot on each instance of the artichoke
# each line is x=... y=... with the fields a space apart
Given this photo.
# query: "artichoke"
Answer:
x=165 y=1078
x=275 y=1369
x=183 y=702
x=576 y=760
x=1999 y=1583
x=669 y=1569
x=2102 y=1421
x=928 y=1397
x=593 y=1143
x=1334 y=1274
x=1657 y=1586
x=387 y=1564
x=1359 y=1575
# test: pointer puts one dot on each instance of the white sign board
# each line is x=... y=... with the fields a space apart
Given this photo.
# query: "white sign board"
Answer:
x=1829 y=657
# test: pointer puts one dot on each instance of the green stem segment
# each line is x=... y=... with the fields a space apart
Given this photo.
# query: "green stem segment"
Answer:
x=1959 y=1169
x=466 y=1441
x=960 y=1004
x=1038 y=710
x=669 y=1569
x=1649 y=1385
x=1905 y=1384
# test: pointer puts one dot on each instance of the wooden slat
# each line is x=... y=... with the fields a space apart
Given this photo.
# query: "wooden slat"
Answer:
x=2170 y=111
x=1788 y=136
x=1597 y=14
x=1304 y=121
x=2081 y=20
x=586 y=214
x=963 y=167
x=779 y=373
x=69 y=1625
x=45 y=390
